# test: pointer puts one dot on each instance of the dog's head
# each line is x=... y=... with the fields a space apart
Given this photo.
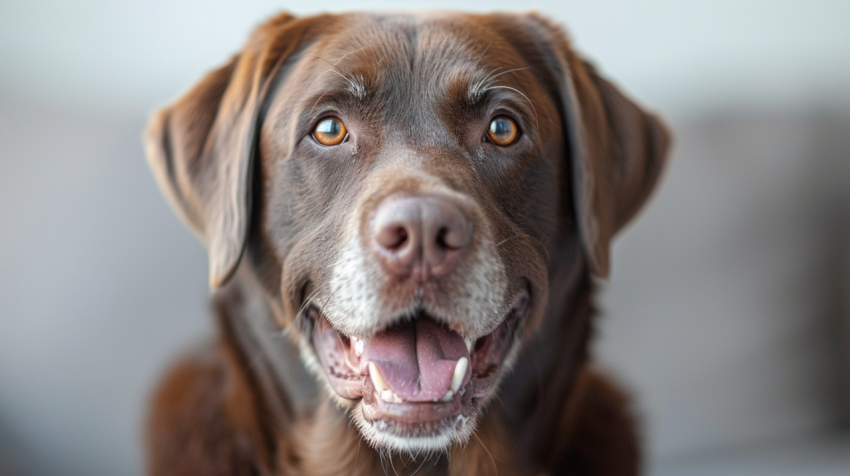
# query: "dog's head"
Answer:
x=402 y=188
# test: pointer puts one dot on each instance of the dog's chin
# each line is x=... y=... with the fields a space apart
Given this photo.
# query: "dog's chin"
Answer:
x=416 y=438
x=422 y=411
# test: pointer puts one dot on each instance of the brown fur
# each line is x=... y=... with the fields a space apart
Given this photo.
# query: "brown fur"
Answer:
x=243 y=405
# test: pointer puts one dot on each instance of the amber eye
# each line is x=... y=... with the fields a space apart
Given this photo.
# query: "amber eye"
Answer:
x=330 y=131
x=503 y=131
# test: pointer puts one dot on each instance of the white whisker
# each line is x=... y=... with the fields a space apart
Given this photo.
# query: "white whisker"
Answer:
x=536 y=119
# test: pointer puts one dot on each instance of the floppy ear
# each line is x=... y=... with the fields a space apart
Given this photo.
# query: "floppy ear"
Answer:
x=201 y=148
x=617 y=149
x=618 y=153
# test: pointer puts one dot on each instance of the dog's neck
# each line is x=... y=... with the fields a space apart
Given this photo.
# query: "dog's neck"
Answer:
x=295 y=435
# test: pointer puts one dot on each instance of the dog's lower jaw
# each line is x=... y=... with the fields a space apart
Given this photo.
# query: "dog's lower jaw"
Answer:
x=381 y=435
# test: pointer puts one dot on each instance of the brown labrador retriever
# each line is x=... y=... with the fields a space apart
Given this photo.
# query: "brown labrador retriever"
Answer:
x=411 y=208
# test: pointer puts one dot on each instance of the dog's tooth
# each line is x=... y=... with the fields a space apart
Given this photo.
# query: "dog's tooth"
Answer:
x=469 y=341
x=460 y=373
x=358 y=346
x=397 y=399
x=387 y=395
x=377 y=378
x=448 y=396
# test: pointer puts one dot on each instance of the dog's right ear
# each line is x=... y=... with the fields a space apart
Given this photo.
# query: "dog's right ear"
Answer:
x=617 y=149
x=201 y=147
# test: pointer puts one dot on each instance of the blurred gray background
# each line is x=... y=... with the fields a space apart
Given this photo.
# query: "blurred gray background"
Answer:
x=727 y=314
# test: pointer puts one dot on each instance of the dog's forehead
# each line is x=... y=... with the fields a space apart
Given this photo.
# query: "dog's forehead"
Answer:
x=416 y=41
x=427 y=44
x=415 y=58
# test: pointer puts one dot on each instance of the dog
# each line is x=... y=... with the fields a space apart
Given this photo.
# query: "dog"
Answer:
x=405 y=215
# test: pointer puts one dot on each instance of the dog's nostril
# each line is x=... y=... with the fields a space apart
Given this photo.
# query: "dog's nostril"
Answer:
x=402 y=237
x=398 y=240
x=392 y=238
x=453 y=238
x=441 y=238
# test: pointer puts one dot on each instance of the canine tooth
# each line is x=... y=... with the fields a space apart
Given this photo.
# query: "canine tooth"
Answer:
x=460 y=373
x=469 y=342
x=448 y=396
x=387 y=395
x=358 y=346
x=377 y=378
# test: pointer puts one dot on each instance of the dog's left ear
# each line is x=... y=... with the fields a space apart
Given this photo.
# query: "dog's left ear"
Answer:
x=617 y=150
x=201 y=148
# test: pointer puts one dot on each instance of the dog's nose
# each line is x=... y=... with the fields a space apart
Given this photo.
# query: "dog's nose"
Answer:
x=420 y=235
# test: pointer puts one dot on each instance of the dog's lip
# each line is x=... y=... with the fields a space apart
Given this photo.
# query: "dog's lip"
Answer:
x=376 y=408
x=351 y=379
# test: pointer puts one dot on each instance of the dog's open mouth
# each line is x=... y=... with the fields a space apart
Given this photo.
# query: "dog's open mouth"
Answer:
x=416 y=378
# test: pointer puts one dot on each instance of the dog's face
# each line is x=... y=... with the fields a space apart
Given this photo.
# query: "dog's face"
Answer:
x=402 y=184
x=408 y=164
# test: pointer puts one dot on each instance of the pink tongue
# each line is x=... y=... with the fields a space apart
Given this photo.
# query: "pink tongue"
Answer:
x=417 y=359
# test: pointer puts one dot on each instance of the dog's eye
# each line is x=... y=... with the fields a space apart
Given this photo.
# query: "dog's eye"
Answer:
x=330 y=131
x=503 y=131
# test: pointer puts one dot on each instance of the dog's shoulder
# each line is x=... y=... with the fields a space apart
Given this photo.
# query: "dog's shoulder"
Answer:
x=601 y=434
x=191 y=428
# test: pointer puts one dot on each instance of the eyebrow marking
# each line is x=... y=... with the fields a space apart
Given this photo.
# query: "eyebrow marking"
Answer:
x=474 y=92
x=478 y=88
x=354 y=85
